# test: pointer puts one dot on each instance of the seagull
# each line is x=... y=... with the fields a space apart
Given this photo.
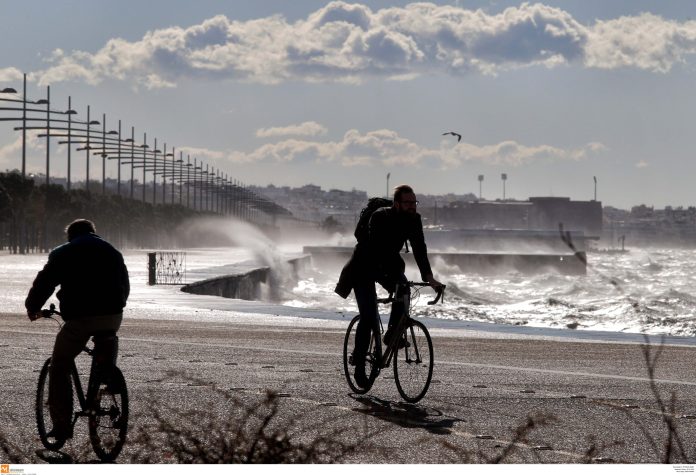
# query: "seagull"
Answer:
x=459 y=136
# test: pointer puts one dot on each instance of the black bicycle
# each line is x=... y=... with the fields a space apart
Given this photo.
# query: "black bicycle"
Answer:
x=410 y=346
x=105 y=404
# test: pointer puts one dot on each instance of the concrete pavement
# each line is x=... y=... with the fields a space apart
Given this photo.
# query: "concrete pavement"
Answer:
x=590 y=400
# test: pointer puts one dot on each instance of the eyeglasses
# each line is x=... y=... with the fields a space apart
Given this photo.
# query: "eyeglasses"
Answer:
x=415 y=202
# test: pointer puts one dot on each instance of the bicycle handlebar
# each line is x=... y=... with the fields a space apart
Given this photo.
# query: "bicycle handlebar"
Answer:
x=438 y=298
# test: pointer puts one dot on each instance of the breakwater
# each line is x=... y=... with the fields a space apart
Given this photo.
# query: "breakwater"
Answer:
x=249 y=281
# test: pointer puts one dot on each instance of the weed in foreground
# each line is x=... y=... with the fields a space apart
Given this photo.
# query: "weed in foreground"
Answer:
x=245 y=433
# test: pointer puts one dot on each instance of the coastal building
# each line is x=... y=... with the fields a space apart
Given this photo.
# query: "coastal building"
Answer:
x=538 y=213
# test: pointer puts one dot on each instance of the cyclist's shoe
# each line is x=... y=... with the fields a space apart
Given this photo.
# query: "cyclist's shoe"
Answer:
x=359 y=374
x=402 y=341
x=60 y=434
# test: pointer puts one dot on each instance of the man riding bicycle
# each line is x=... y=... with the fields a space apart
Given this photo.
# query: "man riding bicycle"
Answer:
x=377 y=260
x=94 y=287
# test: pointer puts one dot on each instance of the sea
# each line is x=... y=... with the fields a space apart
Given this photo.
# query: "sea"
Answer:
x=644 y=290
x=648 y=290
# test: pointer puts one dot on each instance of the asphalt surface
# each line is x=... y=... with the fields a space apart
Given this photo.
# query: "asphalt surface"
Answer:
x=590 y=401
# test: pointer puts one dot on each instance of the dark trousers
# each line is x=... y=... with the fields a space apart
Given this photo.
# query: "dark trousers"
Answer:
x=366 y=296
x=70 y=341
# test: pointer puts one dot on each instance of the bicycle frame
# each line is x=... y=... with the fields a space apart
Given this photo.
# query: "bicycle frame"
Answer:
x=391 y=346
x=81 y=397
x=396 y=335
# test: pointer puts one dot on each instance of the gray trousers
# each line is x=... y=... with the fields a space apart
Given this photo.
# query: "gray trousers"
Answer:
x=70 y=341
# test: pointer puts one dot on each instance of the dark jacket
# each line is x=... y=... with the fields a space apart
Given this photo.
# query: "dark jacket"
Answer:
x=92 y=276
x=379 y=258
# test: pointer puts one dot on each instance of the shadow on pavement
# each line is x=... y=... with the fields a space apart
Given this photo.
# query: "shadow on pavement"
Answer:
x=406 y=415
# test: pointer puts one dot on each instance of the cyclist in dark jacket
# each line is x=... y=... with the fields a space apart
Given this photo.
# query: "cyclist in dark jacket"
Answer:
x=94 y=287
x=378 y=261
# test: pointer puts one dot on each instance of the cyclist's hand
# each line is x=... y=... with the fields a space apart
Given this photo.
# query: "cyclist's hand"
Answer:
x=434 y=283
x=33 y=315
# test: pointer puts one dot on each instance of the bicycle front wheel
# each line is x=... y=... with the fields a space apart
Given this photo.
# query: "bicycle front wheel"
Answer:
x=43 y=418
x=413 y=364
x=108 y=415
x=371 y=359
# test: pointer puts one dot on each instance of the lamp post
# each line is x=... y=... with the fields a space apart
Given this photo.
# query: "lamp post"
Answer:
x=195 y=166
x=48 y=133
x=70 y=112
x=181 y=177
x=172 y=154
x=87 y=146
x=132 y=141
x=103 y=154
x=144 y=147
x=188 y=180
x=595 y=188
x=24 y=128
x=503 y=176
x=164 y=174
x=480 y=179
x=207 y=186
x=47 y=102
x=108 y=148
x=154 y=175
x=118 y=176
x=11 y=90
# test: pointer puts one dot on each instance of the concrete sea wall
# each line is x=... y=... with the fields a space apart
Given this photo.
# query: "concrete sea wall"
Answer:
x=249 y=284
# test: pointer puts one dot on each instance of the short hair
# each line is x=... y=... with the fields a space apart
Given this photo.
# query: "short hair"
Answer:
x=400 y=190
x=80 y=227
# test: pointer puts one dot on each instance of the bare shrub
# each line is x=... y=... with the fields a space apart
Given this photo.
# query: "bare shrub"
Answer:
x=245 y=433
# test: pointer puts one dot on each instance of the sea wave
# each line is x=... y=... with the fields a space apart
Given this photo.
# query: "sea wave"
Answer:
x=646 y=290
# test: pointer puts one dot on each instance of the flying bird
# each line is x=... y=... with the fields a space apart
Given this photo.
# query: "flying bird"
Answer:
x=459 y=136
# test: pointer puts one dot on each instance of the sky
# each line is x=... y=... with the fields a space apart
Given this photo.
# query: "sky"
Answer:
x=340 y=94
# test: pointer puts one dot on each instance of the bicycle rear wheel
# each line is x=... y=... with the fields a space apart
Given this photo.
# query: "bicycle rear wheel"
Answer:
x=44 y=424
x=413 y=364
x=108 y=415
x=371 y=359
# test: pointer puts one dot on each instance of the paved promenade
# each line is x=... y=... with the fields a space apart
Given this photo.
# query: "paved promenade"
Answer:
x=594 y=397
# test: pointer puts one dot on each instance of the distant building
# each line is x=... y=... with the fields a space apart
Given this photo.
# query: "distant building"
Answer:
x=538 y=213
x=646 y=226
x=311 y=204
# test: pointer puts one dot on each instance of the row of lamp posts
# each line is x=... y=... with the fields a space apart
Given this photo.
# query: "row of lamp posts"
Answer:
x=206 y=190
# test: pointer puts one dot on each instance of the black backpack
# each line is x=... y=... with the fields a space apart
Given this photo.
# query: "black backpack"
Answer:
x=362 y=230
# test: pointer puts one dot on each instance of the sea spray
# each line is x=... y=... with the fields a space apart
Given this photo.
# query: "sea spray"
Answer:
x=245 y=235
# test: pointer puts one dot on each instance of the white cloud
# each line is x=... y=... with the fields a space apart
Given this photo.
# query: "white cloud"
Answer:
x=642 y=164
x=201 y=153
x=646 y=42
x=10 y=75
x=512 y=153
x=387 y=147
x=351 y=42
x=309 y=128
